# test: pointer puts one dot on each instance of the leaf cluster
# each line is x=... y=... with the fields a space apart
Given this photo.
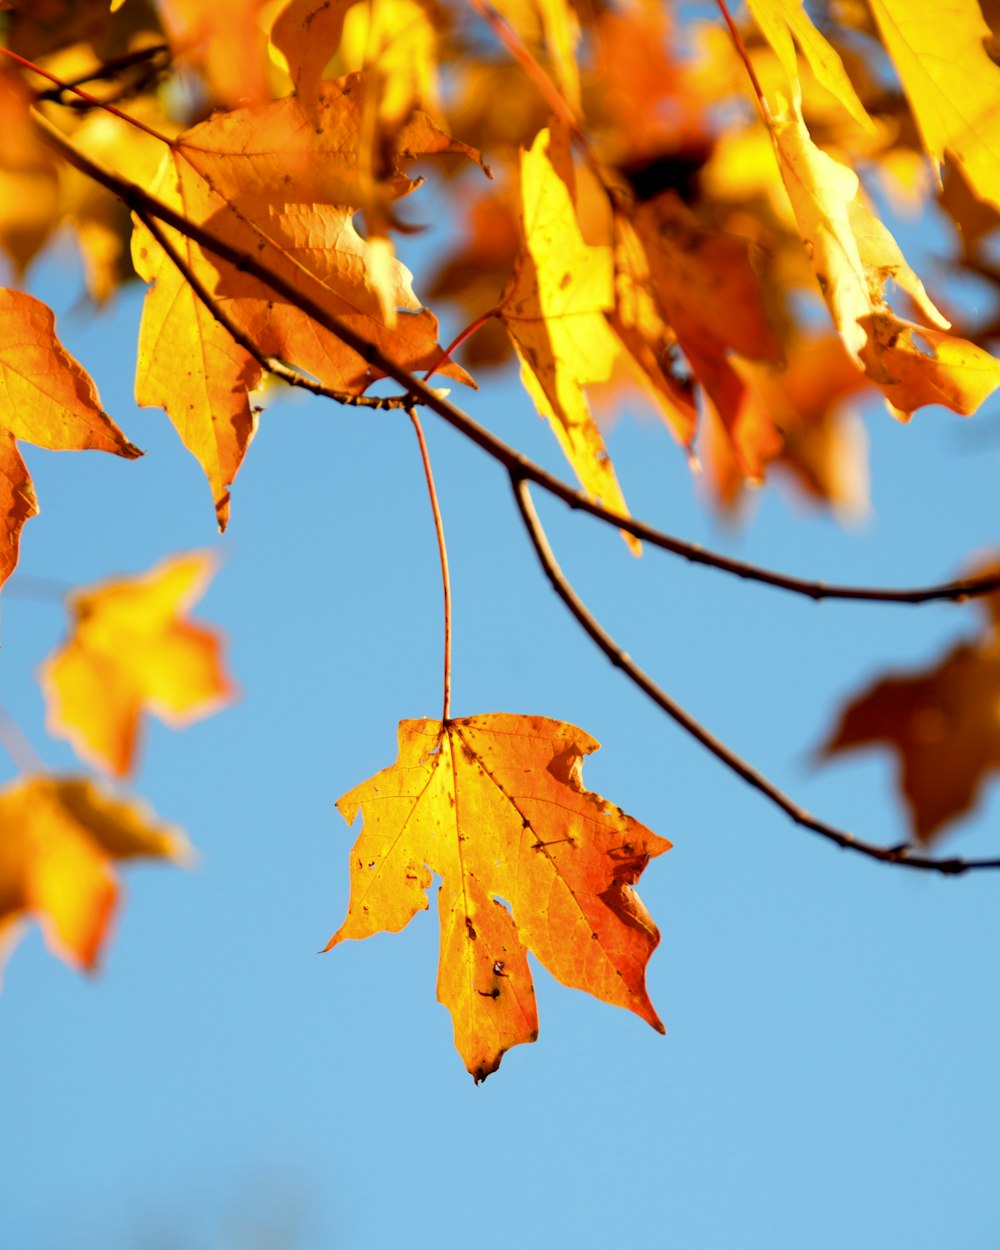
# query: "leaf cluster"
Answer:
x=683 y=209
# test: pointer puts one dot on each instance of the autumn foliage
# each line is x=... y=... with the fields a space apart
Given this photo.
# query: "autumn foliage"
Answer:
x=685 y=206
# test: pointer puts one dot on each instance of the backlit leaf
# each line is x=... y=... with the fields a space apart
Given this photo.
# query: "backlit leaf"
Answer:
x=555 y=310
x=939 y=50
x=854 y=256
x=528 y=858
x=780 y=20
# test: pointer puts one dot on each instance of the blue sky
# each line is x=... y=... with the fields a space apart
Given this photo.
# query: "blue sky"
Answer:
x=828 y=1077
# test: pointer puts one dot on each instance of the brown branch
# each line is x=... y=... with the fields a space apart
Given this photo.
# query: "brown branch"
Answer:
x=443 y=554
x=277 y=368
x=89 y=99
x=418 y=392
x=900 y=855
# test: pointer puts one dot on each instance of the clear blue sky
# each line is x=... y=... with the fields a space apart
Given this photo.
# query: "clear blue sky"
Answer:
x=828 y=1078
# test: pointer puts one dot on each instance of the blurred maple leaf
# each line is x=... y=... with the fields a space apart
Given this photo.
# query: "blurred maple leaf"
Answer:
x=59 y=840
x=944 y=726
x=132 y=649
x=528 y=859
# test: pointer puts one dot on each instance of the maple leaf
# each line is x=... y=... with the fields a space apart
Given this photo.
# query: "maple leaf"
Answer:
x=528 y=859
x=710 y=293
x=282 y=188
x=779 y=21
x=944 y=726
x=47 y=399
x=396 y=38
x=132 y=649
x=59 y=840
x=951 y=82
x=824 y=443
x=554 y=308
x=854 y=256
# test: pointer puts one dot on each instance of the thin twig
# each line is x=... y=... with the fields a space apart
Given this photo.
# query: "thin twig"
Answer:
x=85 y=95
x=443 y=553
x=17 y=745
x=154 y=59
x=901 y=855
x=46 y=589
x=140 y=202
x=277 y=368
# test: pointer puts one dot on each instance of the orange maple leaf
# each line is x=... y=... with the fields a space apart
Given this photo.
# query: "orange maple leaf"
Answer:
x=59 y=838
x=283 y=188
x=528 y=859
x=133 y=649
x=46 y=398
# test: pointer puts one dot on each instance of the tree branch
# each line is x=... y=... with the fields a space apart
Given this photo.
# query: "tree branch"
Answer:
x=900 y=855
x=418 y=392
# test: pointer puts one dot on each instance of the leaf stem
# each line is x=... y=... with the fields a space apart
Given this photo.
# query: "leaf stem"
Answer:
x=741 y=48
x=418 y=392
x=900 y=855
x=459 y=339
x=443 y=554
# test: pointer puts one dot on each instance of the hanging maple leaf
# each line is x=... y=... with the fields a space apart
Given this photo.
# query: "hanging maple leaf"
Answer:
x=46 y=399
x=59 y=840
x=132 y=649
x=282 y=188
x=554 y=308
x=854 y=256
x=528 y=858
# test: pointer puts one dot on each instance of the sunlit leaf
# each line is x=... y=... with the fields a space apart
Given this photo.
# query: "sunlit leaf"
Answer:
x=528 y=858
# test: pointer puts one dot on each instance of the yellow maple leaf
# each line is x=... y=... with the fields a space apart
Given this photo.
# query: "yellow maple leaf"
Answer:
x=133 y=649
x=398 y=38
x=939 y=51
x=59 y=840
x=854 y=256
x=779 y=21
x=528 y=858
x=555 y=309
